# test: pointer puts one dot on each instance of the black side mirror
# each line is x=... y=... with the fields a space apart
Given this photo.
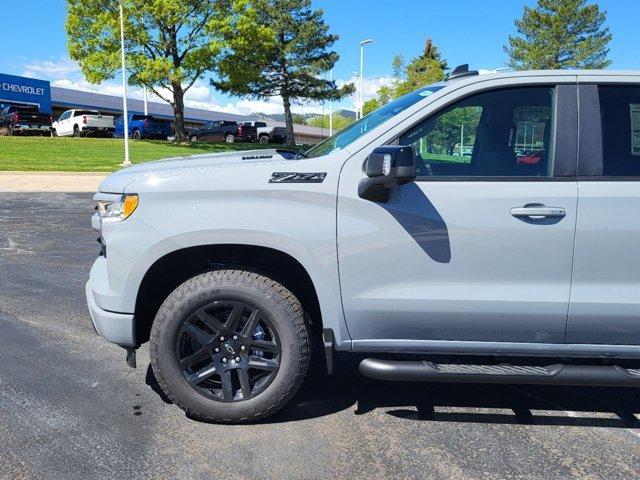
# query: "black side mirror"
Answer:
x=386 y=168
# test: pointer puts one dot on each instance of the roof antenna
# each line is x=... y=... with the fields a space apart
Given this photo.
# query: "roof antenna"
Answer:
x=461 y=71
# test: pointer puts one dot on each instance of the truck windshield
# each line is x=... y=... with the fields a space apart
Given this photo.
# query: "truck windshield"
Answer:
x=371 y=121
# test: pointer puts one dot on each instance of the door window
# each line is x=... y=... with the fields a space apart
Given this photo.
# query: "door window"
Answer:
x=620 y=117
x=502 y=133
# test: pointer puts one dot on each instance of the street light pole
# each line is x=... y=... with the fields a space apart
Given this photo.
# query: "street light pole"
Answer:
x=126 y=162
x=331 y=106
x=361 y=96
x=356 y=100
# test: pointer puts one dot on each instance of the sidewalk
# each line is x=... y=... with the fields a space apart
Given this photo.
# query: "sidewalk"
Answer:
x=50 y=181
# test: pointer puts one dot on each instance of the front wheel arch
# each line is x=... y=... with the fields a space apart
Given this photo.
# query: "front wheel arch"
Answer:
x=171 y=270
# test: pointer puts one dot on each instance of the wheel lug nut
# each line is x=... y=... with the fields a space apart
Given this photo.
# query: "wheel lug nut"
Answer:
x=235 y=337
x=216 y=349
x=237 y=359
x=224 y=360
x=243 y=348
x=222 y=339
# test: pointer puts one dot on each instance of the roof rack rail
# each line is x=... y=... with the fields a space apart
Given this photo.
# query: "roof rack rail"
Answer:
x=461 y=71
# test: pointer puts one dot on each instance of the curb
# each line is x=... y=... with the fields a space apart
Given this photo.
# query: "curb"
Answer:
x=43 y=173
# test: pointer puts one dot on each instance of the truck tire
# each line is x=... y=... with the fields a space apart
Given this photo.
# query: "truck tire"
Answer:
x=263 y=139
x=76 y=131
x=229 y=138
x=136 y=135
x=230 y=346
x=54 y=132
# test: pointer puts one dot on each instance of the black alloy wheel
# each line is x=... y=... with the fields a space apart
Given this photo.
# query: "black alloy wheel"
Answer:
x=228 y=351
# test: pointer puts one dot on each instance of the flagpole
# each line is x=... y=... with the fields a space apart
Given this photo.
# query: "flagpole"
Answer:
x=126 y=162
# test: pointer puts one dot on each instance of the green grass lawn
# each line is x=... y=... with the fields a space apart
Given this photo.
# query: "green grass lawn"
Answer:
x=70 y=154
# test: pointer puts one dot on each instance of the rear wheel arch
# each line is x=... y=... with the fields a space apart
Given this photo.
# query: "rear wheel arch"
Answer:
x=174 y=268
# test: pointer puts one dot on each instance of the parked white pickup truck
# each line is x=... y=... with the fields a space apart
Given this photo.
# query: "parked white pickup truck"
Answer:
x=81 y=123
x=267 y=134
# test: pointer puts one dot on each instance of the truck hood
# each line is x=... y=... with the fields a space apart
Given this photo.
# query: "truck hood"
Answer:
x=117 y=181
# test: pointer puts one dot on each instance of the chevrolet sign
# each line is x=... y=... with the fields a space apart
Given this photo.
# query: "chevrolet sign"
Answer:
x=14 y=89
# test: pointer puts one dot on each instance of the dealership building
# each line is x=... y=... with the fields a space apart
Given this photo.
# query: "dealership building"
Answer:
x=55 y=100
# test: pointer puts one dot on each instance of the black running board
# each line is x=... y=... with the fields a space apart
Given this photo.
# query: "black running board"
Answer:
x=422 y=371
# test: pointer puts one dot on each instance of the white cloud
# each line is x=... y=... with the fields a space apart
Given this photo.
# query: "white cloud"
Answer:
x=52 y=69
x=65 y=73
x=370 y=85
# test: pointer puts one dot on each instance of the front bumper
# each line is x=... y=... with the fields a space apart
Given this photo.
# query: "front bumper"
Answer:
x=115 y=327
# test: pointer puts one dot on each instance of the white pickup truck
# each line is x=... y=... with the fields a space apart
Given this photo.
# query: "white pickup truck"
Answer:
x=81 y=123
x=267 y=134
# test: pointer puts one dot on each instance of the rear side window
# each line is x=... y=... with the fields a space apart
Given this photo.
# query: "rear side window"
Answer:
x=501 y=133
x=620 y=116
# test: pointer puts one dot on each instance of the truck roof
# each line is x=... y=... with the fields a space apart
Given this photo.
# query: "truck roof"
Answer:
x=620 y=76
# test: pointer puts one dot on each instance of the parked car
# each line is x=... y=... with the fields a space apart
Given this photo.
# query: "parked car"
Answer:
x=531 y=157
x=224 y=131
x=237 y=267
x=81 y=123
x=24 y=120
x=267 y=134
x=143 y=126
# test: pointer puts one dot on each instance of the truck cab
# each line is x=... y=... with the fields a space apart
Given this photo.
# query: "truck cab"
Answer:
x=427 y=228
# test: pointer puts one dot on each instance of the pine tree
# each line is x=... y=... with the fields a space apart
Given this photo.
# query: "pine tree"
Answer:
x=559 y=34
x=288 y=56
x=428 y=67
x=432 y=52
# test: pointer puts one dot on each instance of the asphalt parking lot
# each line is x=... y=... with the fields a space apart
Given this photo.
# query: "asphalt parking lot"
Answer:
x=70 y=408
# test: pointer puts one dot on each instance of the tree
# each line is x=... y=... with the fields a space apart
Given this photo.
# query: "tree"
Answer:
x=291 y=53
x=428 y=67
x=299 y=119
x=340 y=122
x=167 y=43
x=559 y=34
x=432 y=52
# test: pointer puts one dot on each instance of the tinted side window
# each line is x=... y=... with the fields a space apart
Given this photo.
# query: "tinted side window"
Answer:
x=620 y=114
x=493 y=134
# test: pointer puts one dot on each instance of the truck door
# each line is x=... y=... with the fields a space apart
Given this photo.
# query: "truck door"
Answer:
x=605 y=293
x=64 y=127
x=479 y=247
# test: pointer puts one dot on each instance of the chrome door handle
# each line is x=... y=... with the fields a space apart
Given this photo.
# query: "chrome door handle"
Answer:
x=538 y=211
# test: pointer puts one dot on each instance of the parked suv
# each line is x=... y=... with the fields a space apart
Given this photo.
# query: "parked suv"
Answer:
x=228 y=264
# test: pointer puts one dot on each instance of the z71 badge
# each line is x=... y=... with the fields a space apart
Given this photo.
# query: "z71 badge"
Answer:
x=297 y=177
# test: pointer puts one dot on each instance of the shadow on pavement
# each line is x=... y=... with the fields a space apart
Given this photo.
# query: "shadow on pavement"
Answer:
x=322 y=395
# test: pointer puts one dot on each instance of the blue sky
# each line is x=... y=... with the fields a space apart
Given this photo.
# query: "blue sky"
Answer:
x=466 y=31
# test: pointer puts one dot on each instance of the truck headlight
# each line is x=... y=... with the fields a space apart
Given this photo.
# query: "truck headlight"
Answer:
x=118 y=210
